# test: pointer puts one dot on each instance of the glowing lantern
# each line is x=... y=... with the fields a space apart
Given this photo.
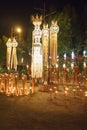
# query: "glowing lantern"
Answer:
x=45 y=42
x=53 y=41
x=37 y=62
x=9 y=48
x=72 y=55
x=14 y=55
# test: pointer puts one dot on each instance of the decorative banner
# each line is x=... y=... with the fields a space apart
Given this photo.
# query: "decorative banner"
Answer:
x=9 y=49
x=11 y=53
x=53 y=41
x=37 y=61
x=14 y=55
x=45 y=44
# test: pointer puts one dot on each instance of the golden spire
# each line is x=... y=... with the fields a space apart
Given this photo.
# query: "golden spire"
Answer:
x=37 y=20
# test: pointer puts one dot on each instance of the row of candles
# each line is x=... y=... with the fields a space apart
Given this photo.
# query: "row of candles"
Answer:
x=75 y=76
x=68 y=71
x=9 y=85
x=77 y=91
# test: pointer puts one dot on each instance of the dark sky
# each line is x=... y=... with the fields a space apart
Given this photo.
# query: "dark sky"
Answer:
x=18 y=12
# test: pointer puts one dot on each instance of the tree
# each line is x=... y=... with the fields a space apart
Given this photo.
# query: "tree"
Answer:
x=65 y=33
x=76 y=28
x=3 y=40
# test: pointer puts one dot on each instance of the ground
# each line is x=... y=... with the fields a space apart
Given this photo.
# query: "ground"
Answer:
x=43 y=111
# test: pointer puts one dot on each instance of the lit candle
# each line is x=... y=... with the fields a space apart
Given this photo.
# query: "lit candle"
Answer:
x=64 y=56
x=8 y=68
x=22 y=60
x=74 y=91
x=27 y=66
x=84 y=53
x=85 y=93
x=72 y=55
x=64 y=67
x=66 y=93
x=84 y=65
x=72 y=66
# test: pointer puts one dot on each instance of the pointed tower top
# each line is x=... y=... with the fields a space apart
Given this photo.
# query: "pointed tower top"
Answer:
x=37 y=20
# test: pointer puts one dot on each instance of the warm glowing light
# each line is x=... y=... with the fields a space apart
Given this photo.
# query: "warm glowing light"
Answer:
x=84 y=53
x=27 y=66
x=64 y=66
x=72 y=65
x=86 y=93
x=37 y=59
x=22 y=60
x=72 y=55
x=56 y=65
x=66 y=93
x=84 y=64
x=64 y=56
x=19 y=30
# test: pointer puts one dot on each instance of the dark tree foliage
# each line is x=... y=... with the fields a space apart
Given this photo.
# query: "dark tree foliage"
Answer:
x=3 y=40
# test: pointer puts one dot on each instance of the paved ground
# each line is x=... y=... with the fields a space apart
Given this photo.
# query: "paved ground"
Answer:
x=41 y=111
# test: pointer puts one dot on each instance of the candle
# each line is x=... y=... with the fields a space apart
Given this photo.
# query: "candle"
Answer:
x=66 y=93
x=84 y=65
x=27 y=66
x=72 y=66
x=74 y=90
x=72 y=55
x=64 y=56
x=85 y=93
x=64 y=66
x=84 y=53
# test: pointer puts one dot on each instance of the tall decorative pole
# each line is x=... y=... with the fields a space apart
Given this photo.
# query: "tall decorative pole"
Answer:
x=53 y=41
x=37 y=60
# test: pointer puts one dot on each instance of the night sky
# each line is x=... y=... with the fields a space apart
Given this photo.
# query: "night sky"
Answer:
x=17 y=12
